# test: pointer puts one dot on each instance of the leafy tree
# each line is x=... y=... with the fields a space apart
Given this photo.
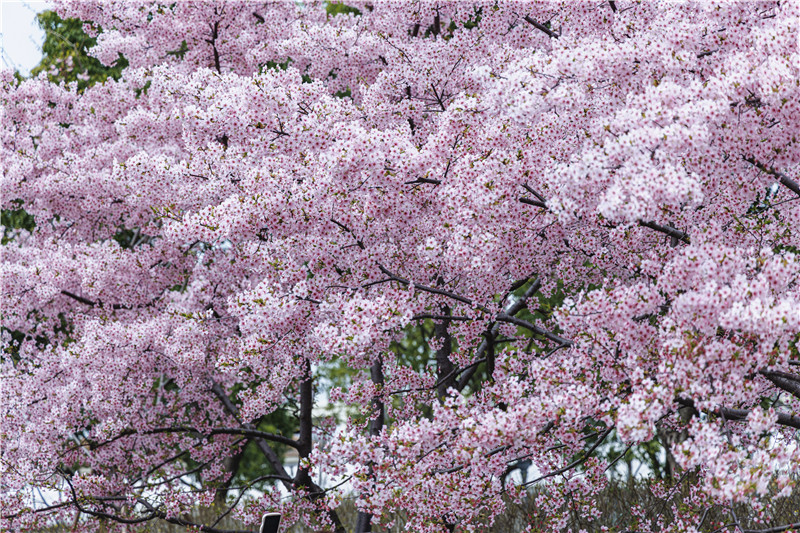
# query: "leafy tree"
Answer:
x=66 y=53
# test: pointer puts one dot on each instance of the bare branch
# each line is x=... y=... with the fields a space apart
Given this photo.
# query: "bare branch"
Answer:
x=541 y=27
x=783 y=380
x=503 y=317
x=785 y=180
x=528 y=201
x=738 y=415
x=431 y=290
x=574 y=463
x=272 y=458
x=776 y=529
x=666 y=230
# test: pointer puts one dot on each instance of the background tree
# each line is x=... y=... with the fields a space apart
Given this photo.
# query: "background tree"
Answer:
x=65 y=53
x=523 y=233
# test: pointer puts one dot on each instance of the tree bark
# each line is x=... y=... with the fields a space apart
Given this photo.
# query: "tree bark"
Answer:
x=364 y=519
x=305 y=444
x=445 y=370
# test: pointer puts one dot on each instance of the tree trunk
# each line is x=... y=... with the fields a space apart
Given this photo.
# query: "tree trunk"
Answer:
x=364 y=520
x=445 y=370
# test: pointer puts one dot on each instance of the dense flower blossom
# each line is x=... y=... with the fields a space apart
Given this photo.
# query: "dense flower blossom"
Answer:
x=270 y=188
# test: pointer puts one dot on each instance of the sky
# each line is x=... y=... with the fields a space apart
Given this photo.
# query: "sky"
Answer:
x=20 y=37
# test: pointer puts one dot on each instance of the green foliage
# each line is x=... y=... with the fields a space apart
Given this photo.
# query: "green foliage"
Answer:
x=413 y=350
x=275 y=66
x=474 y=20
x=11 y=350
x=470 y=23
x=336 y=8
x=180 y=52
x=66 y=53
x=131 y=238
x=252 y=464
x=15 y=219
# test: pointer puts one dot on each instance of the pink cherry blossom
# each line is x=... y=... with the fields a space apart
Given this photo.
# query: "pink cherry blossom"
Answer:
x=592 y=205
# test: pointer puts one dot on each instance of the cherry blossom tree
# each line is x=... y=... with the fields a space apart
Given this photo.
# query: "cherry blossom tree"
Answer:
x=590 y=207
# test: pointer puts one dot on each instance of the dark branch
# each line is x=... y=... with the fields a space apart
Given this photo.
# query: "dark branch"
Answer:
x=783 y=380
x=445 y=369
x=536 y=203
x=364 y=519
x=247 y=432
x=539 y=202
x=185 y=523
x=737 y=415
x=431 y=290
x=574 y=463
x=663 y=308
x=785 y=180
x=359 y=242
x=541 y=27
x=272 y=458
x=80 y=299
x=504 y=317
x=454 y=372
x=213 y=43
x=425 y=316
x=424 y=180
x=776 y=529
x=666 y=230
x=501 y=317
x=98 y=303
x=511 y=310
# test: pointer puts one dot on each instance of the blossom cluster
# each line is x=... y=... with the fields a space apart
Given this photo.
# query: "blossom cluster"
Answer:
x=593 y=205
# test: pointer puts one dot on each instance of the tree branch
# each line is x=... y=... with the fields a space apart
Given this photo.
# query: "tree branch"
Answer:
x=445 y=369
x=364 y=519
x=456 y=371
x=512 y=309
x=431 y=290
x=503 y=317
x=348 y=230
x=541 y=27
x=737 y=415
x=536 y=203
x=666 y=230
x=91 y=303
x=783 y=380
x=213 y=43
x=776 y=529
x=432 y=181
x=785 y=180
x=247 y=432
x=575 y=463
x=266 y=449
x=185 y=523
